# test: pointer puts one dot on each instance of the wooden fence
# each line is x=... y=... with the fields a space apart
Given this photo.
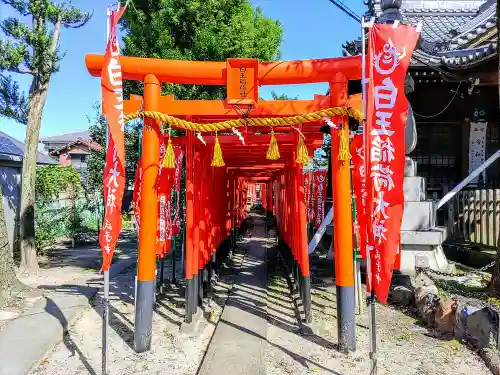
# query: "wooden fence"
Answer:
x=474 y=216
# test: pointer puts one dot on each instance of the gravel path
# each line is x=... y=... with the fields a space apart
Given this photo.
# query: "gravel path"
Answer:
x=404 y=347
x=172 y=352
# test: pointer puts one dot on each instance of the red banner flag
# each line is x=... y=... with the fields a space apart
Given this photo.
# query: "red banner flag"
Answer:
x=164 y=185
x=176 y=225
x=307 y=193
x=114 y=172
x=319 y=196
x=390 y=49
x=136 y=197
x=360 y=193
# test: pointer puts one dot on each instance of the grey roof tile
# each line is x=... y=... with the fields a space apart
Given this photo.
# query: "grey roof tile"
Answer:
x=13 y=149
x=68 y=137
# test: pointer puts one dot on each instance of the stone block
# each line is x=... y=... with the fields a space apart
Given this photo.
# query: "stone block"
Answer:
x=429 y=237
x=481 y=327
x=410 y=167
x=426 y=303
x=445 y=315
x=460 y=329
x=423 y=256
x=414 y=189
x=418 y=216
x=422 y=280
x=401 y=295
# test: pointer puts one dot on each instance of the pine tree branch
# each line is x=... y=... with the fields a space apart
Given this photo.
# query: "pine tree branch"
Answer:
x=13 y=57
x=13 y=102
x=16 y=29
x=68 y=15
x=20 y=5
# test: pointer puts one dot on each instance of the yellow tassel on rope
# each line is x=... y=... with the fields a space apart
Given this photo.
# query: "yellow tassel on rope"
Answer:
x=217 y=161
x=169 y=158
x=302 y=154
x=344 y=153
x=273 y=153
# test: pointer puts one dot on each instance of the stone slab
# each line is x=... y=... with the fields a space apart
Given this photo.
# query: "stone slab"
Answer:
x=238 y=345
x=432 y=257
x=410 y=167
x=193 y=328
x=418 y=216
x=414 y=189
x=432 y=236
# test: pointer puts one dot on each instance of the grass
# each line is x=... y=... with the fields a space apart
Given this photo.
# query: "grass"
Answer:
x=454 y=345
x=168 y=335
x=407 y=336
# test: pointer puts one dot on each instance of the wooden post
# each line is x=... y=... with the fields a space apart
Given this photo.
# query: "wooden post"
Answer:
x=146 y=264
x=343 y=226
x=301 y=240
x=189 y=229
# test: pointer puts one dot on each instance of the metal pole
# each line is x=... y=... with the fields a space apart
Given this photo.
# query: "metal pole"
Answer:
x=371 y=295
x=105 y=324
x=162 y=265
x=174 y=245
x=105 y=303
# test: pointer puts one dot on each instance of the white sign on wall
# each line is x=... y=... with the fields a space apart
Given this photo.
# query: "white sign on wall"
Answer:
x=477 y=147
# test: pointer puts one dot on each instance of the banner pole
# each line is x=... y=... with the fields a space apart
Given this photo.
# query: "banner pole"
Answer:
x=105 y=324
x=162 y=277
x=174 y=246
x=371 y=295
x=105 y=303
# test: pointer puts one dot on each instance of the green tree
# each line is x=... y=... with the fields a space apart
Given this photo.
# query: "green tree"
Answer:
x=31 y=49
x=95 y=166
x=198 y=30
x=51 y=181
x=188 y=30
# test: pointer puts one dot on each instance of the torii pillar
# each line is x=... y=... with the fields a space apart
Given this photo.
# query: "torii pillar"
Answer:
x=343 y=226
x=146 y=263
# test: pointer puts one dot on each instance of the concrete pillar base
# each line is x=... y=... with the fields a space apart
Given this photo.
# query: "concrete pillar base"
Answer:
x=198 y=321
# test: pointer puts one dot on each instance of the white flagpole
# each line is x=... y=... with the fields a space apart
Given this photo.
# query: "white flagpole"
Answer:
x=371 y=295
x=105 y=310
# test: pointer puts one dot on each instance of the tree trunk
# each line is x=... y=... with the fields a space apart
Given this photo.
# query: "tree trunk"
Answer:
x=9 y=284
x=494 y=288
x=38 y=96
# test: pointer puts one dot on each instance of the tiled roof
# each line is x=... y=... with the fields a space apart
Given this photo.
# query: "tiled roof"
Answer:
x=91 y=145
x=13 y=149
x=455 y=33
x=456 y=59
x=438 y=28
x=68 y=137
x=484 y=23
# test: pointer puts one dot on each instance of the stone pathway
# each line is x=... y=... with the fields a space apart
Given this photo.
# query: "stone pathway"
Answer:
x=239 y=342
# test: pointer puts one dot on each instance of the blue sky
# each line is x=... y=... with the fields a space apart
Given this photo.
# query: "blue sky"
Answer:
x=311 y=29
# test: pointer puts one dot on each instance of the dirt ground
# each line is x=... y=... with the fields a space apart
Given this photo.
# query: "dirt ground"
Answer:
x=172 y=352
x=63 y=265
x=404 y=347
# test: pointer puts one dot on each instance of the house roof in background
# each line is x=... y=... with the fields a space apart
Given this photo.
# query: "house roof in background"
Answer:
x=91 y=145
x=68 y=137
x=13 y=150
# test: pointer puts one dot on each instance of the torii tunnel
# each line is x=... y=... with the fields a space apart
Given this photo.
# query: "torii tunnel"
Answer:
x=216 y=197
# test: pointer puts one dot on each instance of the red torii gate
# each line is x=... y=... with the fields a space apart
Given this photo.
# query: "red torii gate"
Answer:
x=208 y=223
